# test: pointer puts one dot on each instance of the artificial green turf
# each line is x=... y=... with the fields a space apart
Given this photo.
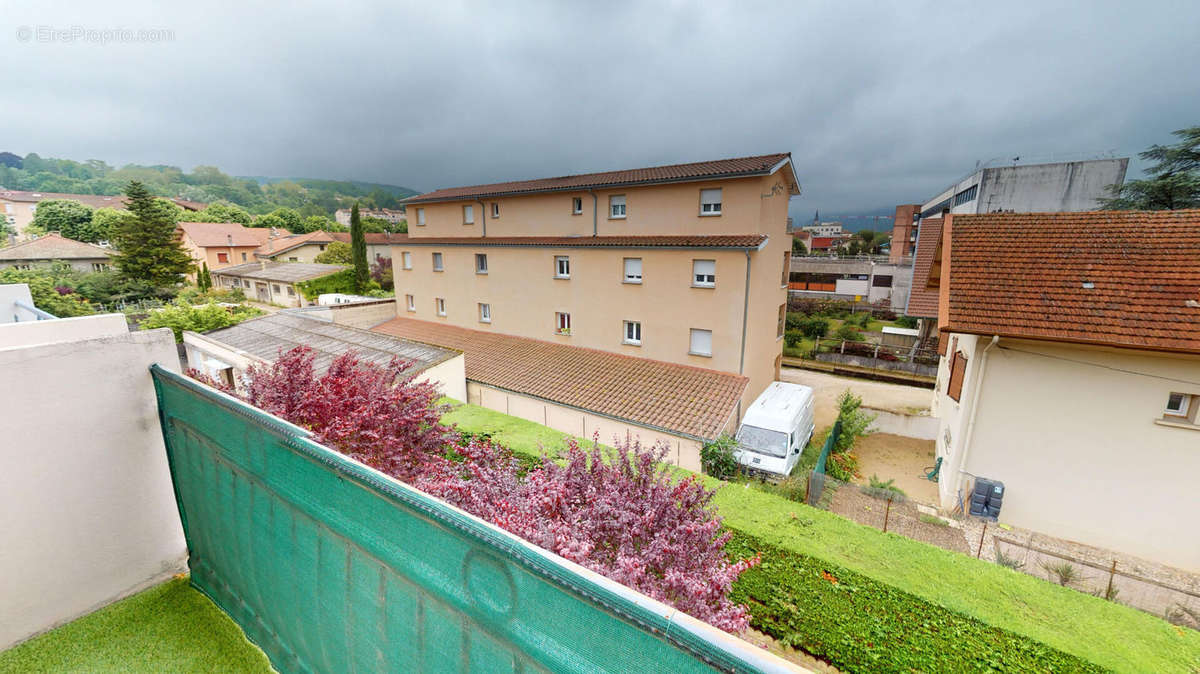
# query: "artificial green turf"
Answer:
x=1106 y=633
x=168 y=628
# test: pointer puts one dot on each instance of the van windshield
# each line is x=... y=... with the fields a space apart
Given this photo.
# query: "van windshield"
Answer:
x=763 y=441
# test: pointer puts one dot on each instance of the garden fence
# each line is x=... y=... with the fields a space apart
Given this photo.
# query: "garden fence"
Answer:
x=328 y=565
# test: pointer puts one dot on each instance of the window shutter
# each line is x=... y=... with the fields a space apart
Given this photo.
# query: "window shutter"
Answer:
x=958 y=370
x=701 y=341
x=633 y=268
x=705 y=267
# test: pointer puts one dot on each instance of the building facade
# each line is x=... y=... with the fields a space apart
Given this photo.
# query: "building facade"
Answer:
x=21 y=206
x=392 y=215
x=222 y=244
x=53 y=247
x=273 y=282
x=689 y=268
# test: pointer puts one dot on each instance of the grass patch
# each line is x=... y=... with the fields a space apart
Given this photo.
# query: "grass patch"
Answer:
x=168 y=628
x=1105 y=633
x=933 y=519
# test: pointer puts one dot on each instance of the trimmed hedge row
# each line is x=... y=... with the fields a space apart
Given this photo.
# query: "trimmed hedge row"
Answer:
x=862 y=625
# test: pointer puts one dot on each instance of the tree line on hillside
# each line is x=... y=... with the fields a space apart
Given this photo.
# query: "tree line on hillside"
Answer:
x=206 y=184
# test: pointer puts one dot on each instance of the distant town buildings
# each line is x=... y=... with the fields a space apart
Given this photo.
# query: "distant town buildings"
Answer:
x=394 y=216
x=20 y=206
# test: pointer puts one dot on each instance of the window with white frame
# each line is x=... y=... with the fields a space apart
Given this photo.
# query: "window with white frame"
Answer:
x=495 y=209
x=291 y=291
x=1178 y=404
x=633 y=333
x=406 y=260
x=562 y=323
x=616 y=206
x=633 y=270
x=440 y=305
x=481 y=263
x=420 y=217
x=410 y=302
x=437 y=262
x=577 y=206
x=701 y=342
x=562 y=266
x=704 y=273
x=710 y=202
x=485 y=313
x=468 y=215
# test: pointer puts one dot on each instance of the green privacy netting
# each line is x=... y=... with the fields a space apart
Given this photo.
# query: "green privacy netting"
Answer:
x=330 y=566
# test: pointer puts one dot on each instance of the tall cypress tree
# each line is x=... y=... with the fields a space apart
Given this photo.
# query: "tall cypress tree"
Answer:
x=358 y=251
x=204 y=282
x=148 y=249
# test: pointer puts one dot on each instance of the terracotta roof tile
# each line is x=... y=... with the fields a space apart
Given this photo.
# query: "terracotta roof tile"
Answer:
x=54 y=246
x=1129 y=279
x=673 y=241
x=372 y=238
x=678 y=398
x=923 y=301
x=721 y=168
x=282 y=244
x=205 y=234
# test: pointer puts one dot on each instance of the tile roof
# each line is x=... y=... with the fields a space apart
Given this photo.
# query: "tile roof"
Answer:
x=923 y=301
x=1024 y=275
x=284 y=272
x=721 y=168
x=677 y=398
x=373 y=238
x=281 y=244
x=674 y=241
x=94 y=200
x=54 y=246
x=267 y=336
x=219 y=234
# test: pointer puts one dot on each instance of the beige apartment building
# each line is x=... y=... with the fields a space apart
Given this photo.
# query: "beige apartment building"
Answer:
x=683 y=264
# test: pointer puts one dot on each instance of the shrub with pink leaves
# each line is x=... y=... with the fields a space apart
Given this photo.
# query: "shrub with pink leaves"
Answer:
x=621 y=516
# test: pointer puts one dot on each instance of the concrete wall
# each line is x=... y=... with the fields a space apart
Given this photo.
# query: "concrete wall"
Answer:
x=10 y=294
x=364 y=315
x=1075 y=434
x=684 y=452
x=272 y=292
x=30 y=332
x=1070 y=186
x=87 y=511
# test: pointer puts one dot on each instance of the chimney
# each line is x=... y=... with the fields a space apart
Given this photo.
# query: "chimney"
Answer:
x=229 y=239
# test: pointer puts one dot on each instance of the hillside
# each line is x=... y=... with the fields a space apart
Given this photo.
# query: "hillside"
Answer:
x=208 y=184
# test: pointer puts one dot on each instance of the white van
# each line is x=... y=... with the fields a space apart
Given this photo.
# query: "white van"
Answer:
x=776 y=428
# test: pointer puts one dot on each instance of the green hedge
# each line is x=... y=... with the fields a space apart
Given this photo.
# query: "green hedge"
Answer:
x=861 y=625
x=338 y=282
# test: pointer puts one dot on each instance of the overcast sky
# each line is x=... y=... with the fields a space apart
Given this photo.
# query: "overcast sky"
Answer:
x=879 y=103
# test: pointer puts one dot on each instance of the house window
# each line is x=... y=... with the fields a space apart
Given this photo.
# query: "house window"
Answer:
x=616 y=206
x=562 y=266
x=406 y=260
x=577 y=206
x=633 y=333
x=485 y=313
x=99 y=266
x=420 y=217
x=710 y=202
x=321 y=247
x=223 y=257
x=495 y=209
x=1177 y=404
x=633 y=270
x=293 y=259
x=562 y=323
x=291 y=291
x=881 y=281
x=704 y=273
x=237 y=283
x=22 y=267
x=243 y=257
x=277 y=289
x=787 y=267
x=701 y=343
x=958 y=370
x=779 y=327
x=437 y=262
x=480 y=263
x=468 y=215
x=410 y=302
x=440 y=305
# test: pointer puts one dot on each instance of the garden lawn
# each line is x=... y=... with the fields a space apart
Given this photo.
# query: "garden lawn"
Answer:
x=1105 y=633
x=168 y=628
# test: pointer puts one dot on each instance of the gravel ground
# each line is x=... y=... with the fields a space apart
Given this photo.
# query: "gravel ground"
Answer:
x=827 y=387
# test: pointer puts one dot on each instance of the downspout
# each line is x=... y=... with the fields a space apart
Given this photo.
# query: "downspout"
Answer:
x=970 y=433
x=483 y=214
x=745 y=318
x=595 y=211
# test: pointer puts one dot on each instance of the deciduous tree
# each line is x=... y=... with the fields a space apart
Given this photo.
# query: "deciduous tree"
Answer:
x=337 y=252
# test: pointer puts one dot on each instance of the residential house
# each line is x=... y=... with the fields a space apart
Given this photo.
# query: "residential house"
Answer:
x=54 y=247
x=222 y=244
x=272 y=282
x=674 y=277
x=855 y=279
x=379 y=244
x=1071 y=374
x=20 y=206
x=295 y=248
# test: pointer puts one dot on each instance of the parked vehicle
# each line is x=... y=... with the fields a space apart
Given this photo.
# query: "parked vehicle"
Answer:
x=776 y=428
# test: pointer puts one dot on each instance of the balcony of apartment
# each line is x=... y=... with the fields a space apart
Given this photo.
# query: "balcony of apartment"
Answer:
x=246 y=546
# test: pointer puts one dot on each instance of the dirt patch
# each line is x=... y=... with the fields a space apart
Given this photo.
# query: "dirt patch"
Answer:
x=902 y=517
x=895 y=457
x=827 y=387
